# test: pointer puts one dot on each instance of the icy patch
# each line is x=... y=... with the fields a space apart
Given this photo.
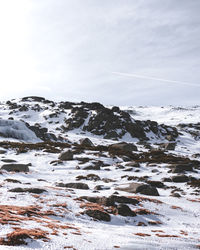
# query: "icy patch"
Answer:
x=17 y=130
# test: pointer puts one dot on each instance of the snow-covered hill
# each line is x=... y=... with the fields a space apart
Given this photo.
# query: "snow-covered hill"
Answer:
x=134 y=183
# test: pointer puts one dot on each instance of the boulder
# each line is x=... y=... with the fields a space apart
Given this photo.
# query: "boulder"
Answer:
x=180 y=178
x=124 y=210
x=123 y=146
x=12 y=180
x=16 y=167
x=98 y=215
x=133 y=164
x=66 y=156
x=181 y=168
x=157 y=184
x=168 y=146
x=28 y=190
x=75 y=185
x=86 y=142
x=139 y=188
x=123 y=199
x=111 y=200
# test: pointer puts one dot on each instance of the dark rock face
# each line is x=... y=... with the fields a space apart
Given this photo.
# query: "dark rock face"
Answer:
x=124 y=146
x=16 y=167
x=180 y=178
x=28 y=190
x=76 y=185
x=98 y=215
x=42 y=133
x=124 y=210
x=139 y=188
x=113 y=123
x=66 y=156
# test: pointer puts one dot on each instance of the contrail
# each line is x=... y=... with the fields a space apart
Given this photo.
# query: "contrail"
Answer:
x=155 y=79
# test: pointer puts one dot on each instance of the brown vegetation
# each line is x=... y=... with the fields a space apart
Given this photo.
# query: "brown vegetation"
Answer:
x=142 y=234
x=19 y=236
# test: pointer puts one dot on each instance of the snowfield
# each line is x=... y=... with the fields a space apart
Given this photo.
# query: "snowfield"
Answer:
x=68 y=194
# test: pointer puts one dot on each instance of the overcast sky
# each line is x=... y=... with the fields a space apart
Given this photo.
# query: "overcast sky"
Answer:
x=69 y=49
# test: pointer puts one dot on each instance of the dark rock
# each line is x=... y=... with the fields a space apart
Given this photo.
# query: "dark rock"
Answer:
x=166 y=179
x=128 y=170
x=107 y=180
x=90 y=177
x=124 y=210
x=168 y=146
x=95 y=166
x=8 y=160
x=28 y=190
x=92 y=167
x=177 y=195
x=66 y=156
x=16 y=167
x=180 y=178
x=42 y=133
x=86 y=142
x=139 y=188
x=101 y=187
x=123 y=199
x=157 y=184
x=123 y=146
x=98 y=215
x=115 y=109
x=12 y=180
x=133 y=164
x=2 y=151
x=181 y=168
x=100 y=200
x=76 y=185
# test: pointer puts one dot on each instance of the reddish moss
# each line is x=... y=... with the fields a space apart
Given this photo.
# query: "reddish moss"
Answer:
x=142 y=234
x=167 y=236
x=19 y=236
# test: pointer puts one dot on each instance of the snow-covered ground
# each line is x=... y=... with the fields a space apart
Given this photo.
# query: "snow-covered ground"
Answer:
x=161 y=222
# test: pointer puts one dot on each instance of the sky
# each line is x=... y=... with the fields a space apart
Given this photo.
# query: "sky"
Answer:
x=117 y=52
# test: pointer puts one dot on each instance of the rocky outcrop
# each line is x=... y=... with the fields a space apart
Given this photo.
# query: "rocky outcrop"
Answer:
x=114 y=123
x=16 y=167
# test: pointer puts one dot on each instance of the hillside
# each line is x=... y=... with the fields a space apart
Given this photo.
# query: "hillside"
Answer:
x=86 y=176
